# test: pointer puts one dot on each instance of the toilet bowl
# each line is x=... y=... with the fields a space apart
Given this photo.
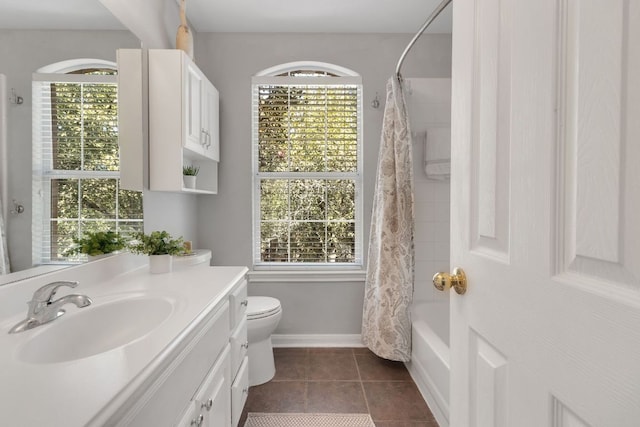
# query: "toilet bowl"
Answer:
x=263 y=315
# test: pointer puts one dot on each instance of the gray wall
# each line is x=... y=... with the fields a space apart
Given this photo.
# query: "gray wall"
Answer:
x=225 y=220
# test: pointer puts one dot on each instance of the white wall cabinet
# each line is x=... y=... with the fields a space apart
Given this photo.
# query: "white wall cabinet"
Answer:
x=183 y=123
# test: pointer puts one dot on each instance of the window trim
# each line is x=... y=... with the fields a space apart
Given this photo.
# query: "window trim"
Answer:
x=71 y=65
x=342 y=76
x=302 y=65
x=310 y=276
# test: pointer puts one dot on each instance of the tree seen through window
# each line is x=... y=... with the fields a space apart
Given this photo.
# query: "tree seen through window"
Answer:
x=307 y=171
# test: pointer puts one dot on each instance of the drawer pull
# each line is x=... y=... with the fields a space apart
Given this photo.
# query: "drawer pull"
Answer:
x=245 y=302
x=208 y=404
x=245 y=345
x=198 y=421
x=245 y=390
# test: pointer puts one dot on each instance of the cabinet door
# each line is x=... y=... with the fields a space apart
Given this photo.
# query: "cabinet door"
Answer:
x=194 y=130
x=214 y=397
x=210 y=121
x=217 y=406
x=239 y=392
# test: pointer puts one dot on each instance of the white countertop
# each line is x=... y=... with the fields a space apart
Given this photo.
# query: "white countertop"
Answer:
x=87 y=391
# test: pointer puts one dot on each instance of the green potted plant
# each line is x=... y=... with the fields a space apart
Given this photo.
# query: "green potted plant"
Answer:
x=97 y=243
x=189 y=174
x=160 y=246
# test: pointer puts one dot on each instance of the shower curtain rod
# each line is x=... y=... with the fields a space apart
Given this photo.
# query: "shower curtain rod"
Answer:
x=428 y=22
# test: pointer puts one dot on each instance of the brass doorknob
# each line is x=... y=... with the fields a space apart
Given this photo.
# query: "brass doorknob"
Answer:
x=457 y=280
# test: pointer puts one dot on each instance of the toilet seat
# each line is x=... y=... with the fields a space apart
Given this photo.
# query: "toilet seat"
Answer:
x=260 y=307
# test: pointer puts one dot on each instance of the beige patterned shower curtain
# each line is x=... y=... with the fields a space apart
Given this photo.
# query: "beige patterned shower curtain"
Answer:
x=386 y=321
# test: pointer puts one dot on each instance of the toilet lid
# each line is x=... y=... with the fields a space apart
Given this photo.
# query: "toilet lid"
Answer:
x=262 y=307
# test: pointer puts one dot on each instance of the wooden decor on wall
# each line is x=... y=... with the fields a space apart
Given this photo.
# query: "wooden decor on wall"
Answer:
x=184 y=38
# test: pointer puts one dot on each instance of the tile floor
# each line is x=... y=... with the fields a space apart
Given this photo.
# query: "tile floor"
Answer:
x=341 y=380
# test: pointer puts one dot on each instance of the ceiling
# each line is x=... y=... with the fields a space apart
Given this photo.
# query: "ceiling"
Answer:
x=303 y=16
x=57 y=15
x=325 y=16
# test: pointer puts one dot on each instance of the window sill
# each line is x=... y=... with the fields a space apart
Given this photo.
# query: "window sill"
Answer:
x=307 y=276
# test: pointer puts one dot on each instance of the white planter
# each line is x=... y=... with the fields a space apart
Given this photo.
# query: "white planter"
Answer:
x=160 y=263
x=189 y=181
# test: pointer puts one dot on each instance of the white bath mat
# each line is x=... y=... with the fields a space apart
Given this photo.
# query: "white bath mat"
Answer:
x=255 y=419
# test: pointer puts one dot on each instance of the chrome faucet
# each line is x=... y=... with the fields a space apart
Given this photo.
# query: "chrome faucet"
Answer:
x=43 y=310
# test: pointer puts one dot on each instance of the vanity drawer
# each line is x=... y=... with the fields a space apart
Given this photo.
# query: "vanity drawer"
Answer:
x=239 y=392
x=239 y=346
x=238 y=303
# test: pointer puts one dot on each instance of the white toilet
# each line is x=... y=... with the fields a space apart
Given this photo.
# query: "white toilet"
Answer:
x=263 y=315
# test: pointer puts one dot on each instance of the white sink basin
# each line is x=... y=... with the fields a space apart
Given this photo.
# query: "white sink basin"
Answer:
x=95 y=329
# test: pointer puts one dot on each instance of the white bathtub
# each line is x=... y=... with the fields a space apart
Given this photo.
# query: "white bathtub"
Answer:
x=429 y=366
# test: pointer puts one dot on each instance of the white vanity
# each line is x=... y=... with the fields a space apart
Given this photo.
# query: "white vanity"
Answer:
x=151 y=350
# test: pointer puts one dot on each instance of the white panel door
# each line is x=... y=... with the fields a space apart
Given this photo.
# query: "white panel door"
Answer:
x=545 y=195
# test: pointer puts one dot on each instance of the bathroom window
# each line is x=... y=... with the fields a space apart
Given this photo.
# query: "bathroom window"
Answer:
x=307 y=163
x=76 y=160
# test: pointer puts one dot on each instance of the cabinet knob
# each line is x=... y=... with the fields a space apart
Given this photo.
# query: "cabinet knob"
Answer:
x=245 y=390
x=198 y=421
x=245 y=302
x=246 y=345
x=208 y=404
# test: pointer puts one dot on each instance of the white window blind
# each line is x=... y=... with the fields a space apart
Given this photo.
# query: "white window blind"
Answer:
x=307 y=132
x=76 y=164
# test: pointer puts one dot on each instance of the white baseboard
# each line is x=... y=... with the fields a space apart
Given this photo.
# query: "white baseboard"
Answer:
x=316 y=340
x=436 y=403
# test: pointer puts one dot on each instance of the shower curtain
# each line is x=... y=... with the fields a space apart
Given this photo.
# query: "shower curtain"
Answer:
x=386 y=321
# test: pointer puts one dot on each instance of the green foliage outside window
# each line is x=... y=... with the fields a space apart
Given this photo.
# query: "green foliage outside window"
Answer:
x=85 y=126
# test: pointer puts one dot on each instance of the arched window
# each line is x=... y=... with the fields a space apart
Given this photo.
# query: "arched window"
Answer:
x=307 y=163
x=76 y=159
